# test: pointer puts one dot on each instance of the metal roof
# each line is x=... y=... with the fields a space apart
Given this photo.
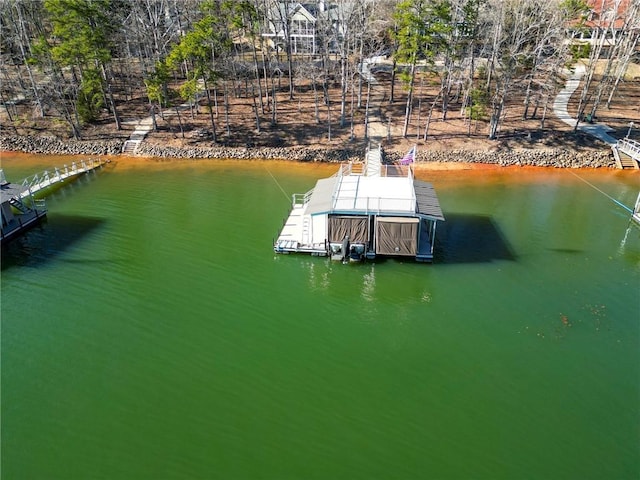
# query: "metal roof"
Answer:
x=321 y=199
x=355 y=195
x=427 y=200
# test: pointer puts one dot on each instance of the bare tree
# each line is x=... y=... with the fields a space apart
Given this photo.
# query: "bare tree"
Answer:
x=280 y=14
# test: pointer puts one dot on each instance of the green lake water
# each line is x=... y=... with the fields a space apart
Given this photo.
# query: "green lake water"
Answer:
x=150 y=332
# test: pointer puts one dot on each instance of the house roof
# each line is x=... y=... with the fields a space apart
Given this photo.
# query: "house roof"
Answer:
x=607 y=13
x=321 y=199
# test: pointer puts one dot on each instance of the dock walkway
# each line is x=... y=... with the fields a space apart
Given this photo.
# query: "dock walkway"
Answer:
x=40 y=181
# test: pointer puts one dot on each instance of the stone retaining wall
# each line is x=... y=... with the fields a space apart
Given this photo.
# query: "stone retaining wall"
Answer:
x=55 y=146
x=559 y=158
x=543 y=158
x=300 y=154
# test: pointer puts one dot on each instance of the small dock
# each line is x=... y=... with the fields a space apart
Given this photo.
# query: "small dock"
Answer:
x=41 y=181
x=20 y=211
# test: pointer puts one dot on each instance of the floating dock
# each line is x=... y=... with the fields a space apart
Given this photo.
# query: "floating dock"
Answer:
x=21 y=209
x=364 y=210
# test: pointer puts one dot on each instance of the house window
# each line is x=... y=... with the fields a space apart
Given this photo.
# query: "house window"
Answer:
x=301 y=27
x=302 y=44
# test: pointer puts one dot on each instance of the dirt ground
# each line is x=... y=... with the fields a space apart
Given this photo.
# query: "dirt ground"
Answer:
x=296 y=122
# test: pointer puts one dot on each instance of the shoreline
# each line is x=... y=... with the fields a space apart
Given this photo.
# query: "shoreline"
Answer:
x=461 y=158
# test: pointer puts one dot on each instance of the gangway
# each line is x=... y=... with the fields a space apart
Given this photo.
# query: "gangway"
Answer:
x=40 y=181
x=373 y=161
x=630 y=148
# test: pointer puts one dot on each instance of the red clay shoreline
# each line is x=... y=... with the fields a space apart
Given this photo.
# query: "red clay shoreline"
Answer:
x=419 y=167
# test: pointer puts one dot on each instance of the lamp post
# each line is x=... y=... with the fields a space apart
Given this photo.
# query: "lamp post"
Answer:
x=630 y=127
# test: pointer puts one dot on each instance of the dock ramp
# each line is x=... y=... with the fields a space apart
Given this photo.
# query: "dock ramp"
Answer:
x=41 y=181
x=627 y=153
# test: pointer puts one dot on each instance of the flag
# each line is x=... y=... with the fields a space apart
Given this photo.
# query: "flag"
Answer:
x=410 y=157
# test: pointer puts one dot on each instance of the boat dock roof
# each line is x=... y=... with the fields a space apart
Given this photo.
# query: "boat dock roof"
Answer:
x=382 y=195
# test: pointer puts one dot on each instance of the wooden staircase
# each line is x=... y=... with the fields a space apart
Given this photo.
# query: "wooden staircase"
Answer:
x=627 y=153
x=623 y=160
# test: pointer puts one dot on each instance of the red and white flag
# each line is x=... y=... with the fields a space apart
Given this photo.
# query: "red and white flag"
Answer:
x=410 y=157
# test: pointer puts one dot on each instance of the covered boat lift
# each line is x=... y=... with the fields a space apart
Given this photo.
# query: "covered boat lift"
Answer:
x=363 y=211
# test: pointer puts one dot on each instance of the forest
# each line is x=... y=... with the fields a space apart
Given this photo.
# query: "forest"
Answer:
x=71 y=66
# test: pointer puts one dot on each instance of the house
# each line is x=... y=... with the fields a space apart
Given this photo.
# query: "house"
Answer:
x=608 y=18
x=308 y=24
x=299 y=20
x=363 y=211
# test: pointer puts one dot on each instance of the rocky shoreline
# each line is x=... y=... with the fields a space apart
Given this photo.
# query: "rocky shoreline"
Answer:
x=559 y=158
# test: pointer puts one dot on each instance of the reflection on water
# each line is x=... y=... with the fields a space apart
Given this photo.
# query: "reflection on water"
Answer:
x=55 y=235
x=369 y=285
x=470 y=239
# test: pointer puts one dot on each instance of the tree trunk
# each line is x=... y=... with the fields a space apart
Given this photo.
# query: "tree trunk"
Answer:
x=256 y=111
x=112 y=102
x=407 y=111
x=591 y=67
x=179 y=121
x=209 y=107
x=343 y=90
x=25 y=58
x=427 y=125
x=317 y=100
x=226 y=110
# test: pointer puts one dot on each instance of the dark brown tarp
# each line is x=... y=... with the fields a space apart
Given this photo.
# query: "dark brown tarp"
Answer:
x=397 y=235
x=427 y=200
x=355 y=227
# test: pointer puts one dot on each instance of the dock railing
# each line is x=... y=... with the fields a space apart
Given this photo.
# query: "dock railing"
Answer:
x=301 y=198
x=630 y=147
x=374 y=205
x=39 y=181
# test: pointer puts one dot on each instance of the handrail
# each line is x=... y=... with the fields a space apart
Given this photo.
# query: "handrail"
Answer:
x=630 y=147
x=42 y=180
x=373 y=204
x=301 y=198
